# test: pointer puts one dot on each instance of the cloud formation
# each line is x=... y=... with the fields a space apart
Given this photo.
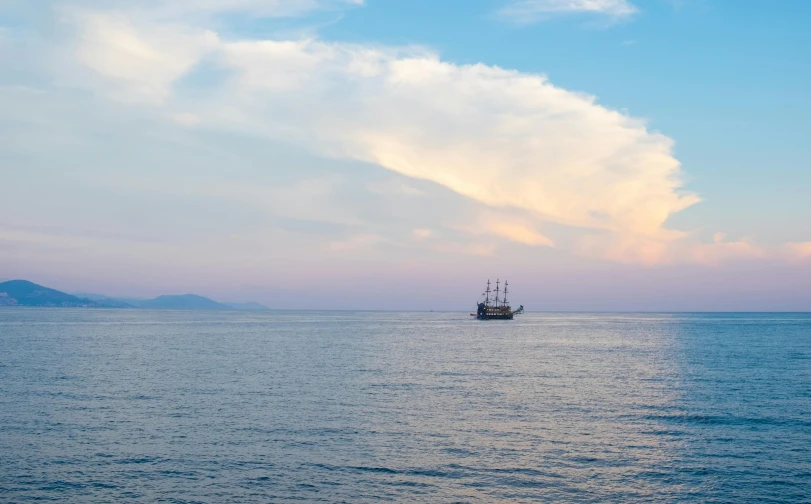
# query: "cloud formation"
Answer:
x=138 y=65
x=528 y=11
x=798 y=251
x=503 y=138
x=545 y=166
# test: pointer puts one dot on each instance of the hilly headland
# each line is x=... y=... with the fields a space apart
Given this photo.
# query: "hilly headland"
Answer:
x=25 y=293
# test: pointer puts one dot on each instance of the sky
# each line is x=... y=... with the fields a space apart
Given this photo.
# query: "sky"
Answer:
x=611 y=155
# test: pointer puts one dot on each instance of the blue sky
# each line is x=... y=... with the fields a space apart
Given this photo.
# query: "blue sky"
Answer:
x=606 y=154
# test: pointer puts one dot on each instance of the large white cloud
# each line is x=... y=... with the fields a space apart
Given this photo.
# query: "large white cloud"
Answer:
x=501 y=137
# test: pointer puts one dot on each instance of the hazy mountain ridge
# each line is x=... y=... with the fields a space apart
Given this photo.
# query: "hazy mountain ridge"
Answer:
x=25 y=293
x=182 y=302
x=104 y=301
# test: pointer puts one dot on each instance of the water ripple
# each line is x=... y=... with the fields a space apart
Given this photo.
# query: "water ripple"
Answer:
x=131 y=406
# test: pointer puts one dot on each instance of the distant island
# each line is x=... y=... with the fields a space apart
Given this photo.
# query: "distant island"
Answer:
x=25 y=293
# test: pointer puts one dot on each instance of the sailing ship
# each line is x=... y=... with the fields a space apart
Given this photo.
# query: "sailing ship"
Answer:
x=494 y=306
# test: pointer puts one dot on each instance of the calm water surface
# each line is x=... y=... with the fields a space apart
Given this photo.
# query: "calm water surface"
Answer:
x=108 y=405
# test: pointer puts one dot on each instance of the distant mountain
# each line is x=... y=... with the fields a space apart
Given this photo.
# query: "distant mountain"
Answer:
x=88 y=295
x=104 y=301
x=183 y=302
x=5 y=300
x=180 y=302
x=247 y=306
x=25 y=293
x=135 y=303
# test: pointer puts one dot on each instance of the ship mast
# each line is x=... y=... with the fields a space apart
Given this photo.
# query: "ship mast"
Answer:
x=505 y=293
x=497 y=282
x=487 y=294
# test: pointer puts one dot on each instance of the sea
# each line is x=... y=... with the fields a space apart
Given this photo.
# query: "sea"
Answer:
x=189 y=406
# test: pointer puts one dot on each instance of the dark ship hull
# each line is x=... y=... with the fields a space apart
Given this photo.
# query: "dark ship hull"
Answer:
x=495 y=315
x=495 y=308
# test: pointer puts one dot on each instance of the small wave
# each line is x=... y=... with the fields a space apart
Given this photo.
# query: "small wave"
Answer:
x=58 y=486
x=384 y=470
x=106 y=486
x=138 y=460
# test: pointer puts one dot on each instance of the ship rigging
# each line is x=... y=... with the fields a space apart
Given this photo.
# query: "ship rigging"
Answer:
x=495 y=304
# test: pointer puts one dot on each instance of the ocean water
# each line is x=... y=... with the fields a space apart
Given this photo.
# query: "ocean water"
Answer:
x=141 y=406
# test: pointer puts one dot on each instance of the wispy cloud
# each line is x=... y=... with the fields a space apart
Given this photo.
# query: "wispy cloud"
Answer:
x=798 y=251
x=142 y=69
x=421 y=234
x=395 y=187
x=529 y=11
x=722 y=250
